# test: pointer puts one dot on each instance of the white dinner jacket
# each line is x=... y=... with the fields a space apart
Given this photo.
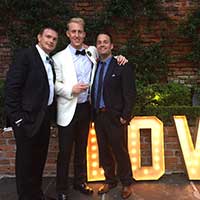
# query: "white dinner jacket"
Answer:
x=65 y=79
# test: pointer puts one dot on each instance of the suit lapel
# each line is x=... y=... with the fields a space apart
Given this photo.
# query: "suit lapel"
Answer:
x=68 y=60
x=39 y=63
x=94 y=77
x=91 y=54
x=109 y=70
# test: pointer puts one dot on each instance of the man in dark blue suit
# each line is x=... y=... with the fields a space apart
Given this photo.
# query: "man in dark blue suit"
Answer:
x=113 y=98
x=29 y=101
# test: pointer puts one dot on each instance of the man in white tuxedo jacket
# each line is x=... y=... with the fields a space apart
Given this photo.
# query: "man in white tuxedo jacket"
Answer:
x=66 y=79
x=75 y=68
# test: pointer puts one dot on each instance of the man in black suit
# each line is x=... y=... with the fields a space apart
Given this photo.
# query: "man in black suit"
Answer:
x=113 y=97
x=28 y=103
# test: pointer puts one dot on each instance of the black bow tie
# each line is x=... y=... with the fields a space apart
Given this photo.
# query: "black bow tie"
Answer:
x=80 y=52
x=51 y=62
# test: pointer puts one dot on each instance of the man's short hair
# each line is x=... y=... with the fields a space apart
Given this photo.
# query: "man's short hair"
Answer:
x=105 y=33
x=78 y=20
x=47 y=27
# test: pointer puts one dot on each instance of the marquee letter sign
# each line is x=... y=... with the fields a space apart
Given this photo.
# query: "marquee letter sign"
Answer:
x=94 y=172
x=157 y=169
x=191 y=154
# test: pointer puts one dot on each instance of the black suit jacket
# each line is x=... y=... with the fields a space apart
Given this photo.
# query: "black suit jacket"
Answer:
x=27 y=90
x=119 y=90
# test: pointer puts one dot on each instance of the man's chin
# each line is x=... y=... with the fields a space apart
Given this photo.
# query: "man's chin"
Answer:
x=77 y=45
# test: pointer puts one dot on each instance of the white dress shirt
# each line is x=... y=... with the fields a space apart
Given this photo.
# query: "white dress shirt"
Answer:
x=83 y=67
x=49 y=71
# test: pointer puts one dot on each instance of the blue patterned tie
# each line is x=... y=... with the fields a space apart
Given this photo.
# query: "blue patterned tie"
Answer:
x=100 y=84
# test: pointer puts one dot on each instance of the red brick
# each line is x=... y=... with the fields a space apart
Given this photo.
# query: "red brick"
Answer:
x=12 y=162
x=10 y=154
x=2 y=142
x=51 y=161
x=52 y=154
x=4 y=162
x=11 y=141
x=171 y=160
x=172 y=146
x=4 y=168
x=7 y=148
x=170 y=140
x=7 y=134
x=169 y=153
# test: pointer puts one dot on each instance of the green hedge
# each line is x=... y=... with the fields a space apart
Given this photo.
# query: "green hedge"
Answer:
x=170 y=94
x=166 y=113
x=162 y=101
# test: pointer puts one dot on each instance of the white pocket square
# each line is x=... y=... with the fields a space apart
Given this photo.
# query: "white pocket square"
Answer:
x=113 y=75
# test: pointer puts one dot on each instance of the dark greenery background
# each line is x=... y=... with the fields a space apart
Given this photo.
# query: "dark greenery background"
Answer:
x=25 y=18
x=190 y=29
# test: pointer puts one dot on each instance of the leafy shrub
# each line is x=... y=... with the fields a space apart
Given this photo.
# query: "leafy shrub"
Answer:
x=151 y=61
x=190 y=29
x=171 y=94
x=166 y=113
x=164 y=101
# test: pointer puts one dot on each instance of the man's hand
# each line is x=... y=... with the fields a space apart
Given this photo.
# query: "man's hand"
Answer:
x=123 y=121
x=121 y=60
x=79 y=87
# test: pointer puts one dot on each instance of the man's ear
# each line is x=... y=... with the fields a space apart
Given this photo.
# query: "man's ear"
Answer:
x=38 y=37
x=67 y=33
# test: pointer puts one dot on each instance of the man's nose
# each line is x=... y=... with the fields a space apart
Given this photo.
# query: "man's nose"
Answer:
x=76 y=33
x=51 y=40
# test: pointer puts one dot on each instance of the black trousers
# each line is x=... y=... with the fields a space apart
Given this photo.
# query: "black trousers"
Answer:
x=112 y=143
x=75 y=133
x=31 y=154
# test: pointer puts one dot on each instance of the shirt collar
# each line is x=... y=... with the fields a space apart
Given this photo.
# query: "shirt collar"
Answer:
x=107 y=61
x=73 y=50
x=42 y=53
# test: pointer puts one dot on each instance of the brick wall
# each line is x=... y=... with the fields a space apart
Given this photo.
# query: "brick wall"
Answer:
x=5 y=52
x=179 y=69
x=173 y=156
